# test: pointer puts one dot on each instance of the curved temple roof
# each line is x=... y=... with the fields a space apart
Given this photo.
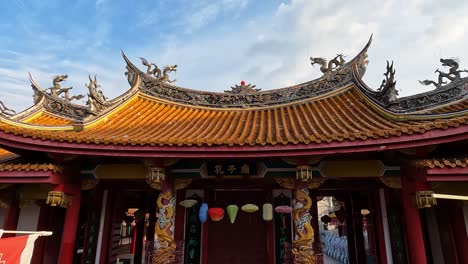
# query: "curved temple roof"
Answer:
x=338 y=107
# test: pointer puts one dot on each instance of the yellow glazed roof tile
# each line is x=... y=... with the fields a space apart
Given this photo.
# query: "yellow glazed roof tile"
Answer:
x=47 y=119
x=30 y=167
x=442 y=163
x=145 y=120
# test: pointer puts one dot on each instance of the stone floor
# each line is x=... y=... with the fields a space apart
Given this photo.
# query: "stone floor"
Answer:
x=329 y=260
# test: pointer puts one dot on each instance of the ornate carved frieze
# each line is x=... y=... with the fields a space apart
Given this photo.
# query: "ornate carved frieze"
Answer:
x=452 y=92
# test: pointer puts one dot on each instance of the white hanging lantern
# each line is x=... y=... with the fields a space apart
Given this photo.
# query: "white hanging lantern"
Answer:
x=267 y=212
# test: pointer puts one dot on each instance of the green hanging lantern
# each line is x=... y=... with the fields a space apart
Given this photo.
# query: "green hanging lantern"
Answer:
x=232 y=212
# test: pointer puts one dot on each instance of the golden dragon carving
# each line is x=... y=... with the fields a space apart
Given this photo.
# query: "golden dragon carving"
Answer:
x=302 y=245
x=165 y=249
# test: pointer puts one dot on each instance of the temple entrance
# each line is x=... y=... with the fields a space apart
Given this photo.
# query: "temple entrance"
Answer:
x=245 y=240
x=346 y=224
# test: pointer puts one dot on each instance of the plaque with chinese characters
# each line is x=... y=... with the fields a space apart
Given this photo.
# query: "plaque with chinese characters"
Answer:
x=232 y=168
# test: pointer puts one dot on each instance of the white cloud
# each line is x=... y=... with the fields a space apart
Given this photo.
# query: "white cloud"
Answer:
x=273 y=51
x=269 y=50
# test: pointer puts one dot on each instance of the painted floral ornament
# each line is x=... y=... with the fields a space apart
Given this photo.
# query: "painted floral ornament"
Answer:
x=203 y=213
x=283 y=209
x=216 y=214
x=249 y=208
x=188 y=203
x=232 y=212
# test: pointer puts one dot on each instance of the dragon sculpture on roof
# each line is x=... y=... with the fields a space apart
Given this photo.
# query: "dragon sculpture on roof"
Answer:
x=57 y=89
x=454 y=74
x=162 y=76
x=333 y=64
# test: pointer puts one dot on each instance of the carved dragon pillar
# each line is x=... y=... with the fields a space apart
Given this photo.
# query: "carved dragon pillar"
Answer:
x=165 y=251
x=303 y=231
x=165 y=245
x=302 y=248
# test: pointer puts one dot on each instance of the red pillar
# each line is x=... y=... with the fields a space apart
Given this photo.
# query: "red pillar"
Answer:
x=12 y=216
x=459 y=231
x=414 y=231
x=42 y=224
x=67 y=245
x=179 y=219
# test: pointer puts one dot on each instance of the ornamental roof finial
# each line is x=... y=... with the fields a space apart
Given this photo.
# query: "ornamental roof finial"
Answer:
x=243 y=89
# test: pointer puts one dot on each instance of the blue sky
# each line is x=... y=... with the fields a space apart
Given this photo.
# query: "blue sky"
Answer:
x=216 y=44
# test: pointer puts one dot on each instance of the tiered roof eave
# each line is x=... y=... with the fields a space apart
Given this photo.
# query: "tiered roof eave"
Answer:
x=337 y=113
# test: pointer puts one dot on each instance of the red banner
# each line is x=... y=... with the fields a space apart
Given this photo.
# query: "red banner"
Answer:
x=17 y=250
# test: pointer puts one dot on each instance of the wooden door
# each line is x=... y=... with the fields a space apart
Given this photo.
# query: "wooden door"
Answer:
x=244 y=241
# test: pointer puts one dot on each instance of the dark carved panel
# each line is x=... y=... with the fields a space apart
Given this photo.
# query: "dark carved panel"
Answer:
x=192 y=251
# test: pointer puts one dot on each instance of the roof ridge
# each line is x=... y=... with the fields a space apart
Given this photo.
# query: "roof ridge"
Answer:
x=336 y=74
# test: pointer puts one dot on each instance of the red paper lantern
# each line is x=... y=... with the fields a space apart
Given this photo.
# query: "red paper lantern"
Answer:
x=242 y=83
x=216 y=214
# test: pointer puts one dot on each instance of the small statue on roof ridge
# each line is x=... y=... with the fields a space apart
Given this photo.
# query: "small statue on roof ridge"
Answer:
x=243 y=89
x=94 y=88
x=332 y=65
x=57 y=90
x=5 y=111
x=162 y=76
x=388 y=86
x=454 y=74
x=96 y=99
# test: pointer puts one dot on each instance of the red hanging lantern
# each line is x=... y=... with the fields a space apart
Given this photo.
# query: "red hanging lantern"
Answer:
x=242 y=83
x=216 y=214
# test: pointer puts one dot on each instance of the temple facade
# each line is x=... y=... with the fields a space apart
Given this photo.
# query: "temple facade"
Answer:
x=326 y=171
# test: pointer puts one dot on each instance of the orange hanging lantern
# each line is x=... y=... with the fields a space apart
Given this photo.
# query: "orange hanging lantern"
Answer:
x=216 y=214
